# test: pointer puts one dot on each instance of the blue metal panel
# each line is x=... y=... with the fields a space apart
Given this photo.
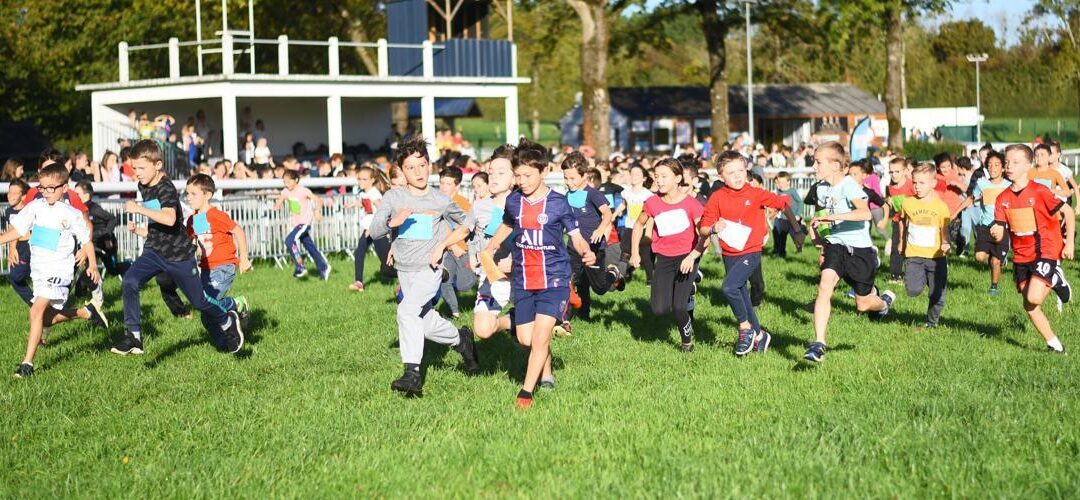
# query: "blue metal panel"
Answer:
x=406 y=22
x=474 y=58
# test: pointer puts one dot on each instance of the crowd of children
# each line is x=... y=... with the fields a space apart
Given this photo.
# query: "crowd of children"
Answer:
x=538 y=258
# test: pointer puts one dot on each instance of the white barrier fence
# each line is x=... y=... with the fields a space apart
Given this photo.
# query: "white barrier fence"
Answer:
x=252 y=207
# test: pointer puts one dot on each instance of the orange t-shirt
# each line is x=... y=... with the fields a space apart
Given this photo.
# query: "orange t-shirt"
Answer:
x=466 y=207
x=216 y=227
x=1049 y=177
x=950 y=194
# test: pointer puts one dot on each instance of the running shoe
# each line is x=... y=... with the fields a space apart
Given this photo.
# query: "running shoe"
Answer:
x=815 y=353
x=744 y=343
x=24 y=370
x=409 y=383
x=128 y=344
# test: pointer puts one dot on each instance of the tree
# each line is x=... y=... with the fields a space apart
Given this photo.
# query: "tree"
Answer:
x=955 y=40
x=595 y=104
x=1067 y=12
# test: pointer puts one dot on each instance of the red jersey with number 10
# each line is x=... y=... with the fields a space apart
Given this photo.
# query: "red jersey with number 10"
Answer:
x=1031 y=217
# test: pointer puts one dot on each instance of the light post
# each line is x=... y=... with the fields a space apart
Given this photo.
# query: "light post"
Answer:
x=749 y=78
x=977 y=59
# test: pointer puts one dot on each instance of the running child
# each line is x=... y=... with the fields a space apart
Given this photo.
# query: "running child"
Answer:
x=18 y=250
x=984 y=197
x=848 y=253
x=299 y=200
x=675 y=243
x=925 y=229
x=55 y=229
x=372 y=188
x=613 y=251
x=899 y=188
x=457 y=274
x=103 y=231
x=418 y=219
x=736 y=213
x=594 y=222
x=222 y=245
x=493 y=296
x=168 y=250
x=635 y=196
x=1032 y=214
x=538 y=217
x=782 y=226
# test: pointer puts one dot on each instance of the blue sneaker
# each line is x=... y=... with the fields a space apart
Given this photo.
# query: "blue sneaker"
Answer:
x=888 y=297
x=745 y=342
x=815 y=353
x=993 y=291
x=850 y=293
x=761 y=345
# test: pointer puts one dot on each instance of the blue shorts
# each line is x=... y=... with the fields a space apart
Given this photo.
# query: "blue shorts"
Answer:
x=491 y=297
x=528 y=304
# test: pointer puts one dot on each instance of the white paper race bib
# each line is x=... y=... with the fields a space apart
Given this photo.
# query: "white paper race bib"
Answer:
x=923 y=236
x=672 y=222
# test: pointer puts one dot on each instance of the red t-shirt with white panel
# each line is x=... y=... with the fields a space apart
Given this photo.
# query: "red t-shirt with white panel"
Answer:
x=674 y=232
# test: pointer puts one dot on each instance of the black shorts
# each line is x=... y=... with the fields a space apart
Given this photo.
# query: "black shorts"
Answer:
x=985 y=244
x=856 y=266
x=1041 y=269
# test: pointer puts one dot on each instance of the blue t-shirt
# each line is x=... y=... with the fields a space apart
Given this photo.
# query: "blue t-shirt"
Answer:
x=838 y=200
x=985 y=194
x=540 y=258
x=586 y=204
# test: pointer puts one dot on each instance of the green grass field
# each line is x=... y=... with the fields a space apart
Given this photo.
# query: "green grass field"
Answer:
x=973 y=409
x=1002 y=129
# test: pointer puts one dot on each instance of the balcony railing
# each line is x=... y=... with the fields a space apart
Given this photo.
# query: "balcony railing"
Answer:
x=457 y=58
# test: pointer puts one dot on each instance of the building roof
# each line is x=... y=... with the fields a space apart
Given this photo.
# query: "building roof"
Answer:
x=770 y=101
x=448 y=108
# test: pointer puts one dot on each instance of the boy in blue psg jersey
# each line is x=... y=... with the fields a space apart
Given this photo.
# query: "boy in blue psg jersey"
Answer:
x=541 y=270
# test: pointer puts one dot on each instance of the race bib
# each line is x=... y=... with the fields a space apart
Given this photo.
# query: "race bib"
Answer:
x=610 y=200
x=672 y=222
x=417 y=227
x=152 y=205
x=45 y=237
x=200 y=224
x=294 y=207
x=495 y=222
x=577 y=199
x=923 y=236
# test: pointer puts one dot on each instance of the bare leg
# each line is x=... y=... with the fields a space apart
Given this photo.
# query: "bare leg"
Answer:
x=1033 y=299
x=823 y=304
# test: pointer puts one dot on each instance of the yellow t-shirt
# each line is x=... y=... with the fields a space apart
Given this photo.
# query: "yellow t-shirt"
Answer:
x=925 y=218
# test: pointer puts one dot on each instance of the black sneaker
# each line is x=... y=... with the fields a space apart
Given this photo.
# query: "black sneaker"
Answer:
x=1061 y=286
x=234 y=334
x=467 y=348
x=128 y=344
x=97 y=317
x=618 y=282
x=815 y=352
x=409 y=383
x=24 y=370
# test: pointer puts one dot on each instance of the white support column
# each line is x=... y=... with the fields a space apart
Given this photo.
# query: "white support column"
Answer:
x=384 y=59
x=512 y=134
x=123 y=47
x=513 y=60
x=227 y=55
x=174 y=57
x=429 y=59
x=334 y=65
x=230 y=136
x=97 y=116
x=334 y=137
x=283 y=55
x=427 y=122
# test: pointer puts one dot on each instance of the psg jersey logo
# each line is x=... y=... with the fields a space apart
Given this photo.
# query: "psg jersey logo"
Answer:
x=542 y=219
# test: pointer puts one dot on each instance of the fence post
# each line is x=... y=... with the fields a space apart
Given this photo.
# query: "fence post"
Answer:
x=334 y=69
x=123 y=46
x=384 y=59
x=174 y=57
x=429 y=58
x=226 y=54
x=283 y=54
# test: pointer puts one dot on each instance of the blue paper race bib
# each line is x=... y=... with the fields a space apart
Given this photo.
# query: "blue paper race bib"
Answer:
x=45 y=237
x=495 y=222
x=152 y=204
x=577 y=199
x=417 y=227
x=200 y=224
x=610 y=200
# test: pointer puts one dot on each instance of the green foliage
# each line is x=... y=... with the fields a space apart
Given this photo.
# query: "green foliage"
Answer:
x=924 y=151
x=976 y=408
x=955 y=40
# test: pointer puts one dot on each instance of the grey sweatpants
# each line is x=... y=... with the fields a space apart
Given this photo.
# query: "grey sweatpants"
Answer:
x=923 y=273
x=417 y=318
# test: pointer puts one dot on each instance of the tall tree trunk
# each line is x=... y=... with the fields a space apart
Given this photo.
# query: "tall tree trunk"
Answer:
x=894 y=46
x=596 y=107
x=715 y=31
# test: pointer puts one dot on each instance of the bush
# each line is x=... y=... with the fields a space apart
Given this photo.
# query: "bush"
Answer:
x=925 y=151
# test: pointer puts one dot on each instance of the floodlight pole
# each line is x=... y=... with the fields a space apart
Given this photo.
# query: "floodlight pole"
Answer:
x=977 y=59
x=749 y=77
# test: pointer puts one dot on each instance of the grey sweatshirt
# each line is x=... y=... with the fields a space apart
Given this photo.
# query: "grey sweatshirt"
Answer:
x=410 y=253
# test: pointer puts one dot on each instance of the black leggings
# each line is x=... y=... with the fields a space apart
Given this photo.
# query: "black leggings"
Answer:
x=382 y=248
x=671 y=292
x=896 y=253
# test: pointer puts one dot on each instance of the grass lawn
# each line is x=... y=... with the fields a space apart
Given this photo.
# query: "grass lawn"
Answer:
x=975 y=408
x=1002 y=129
